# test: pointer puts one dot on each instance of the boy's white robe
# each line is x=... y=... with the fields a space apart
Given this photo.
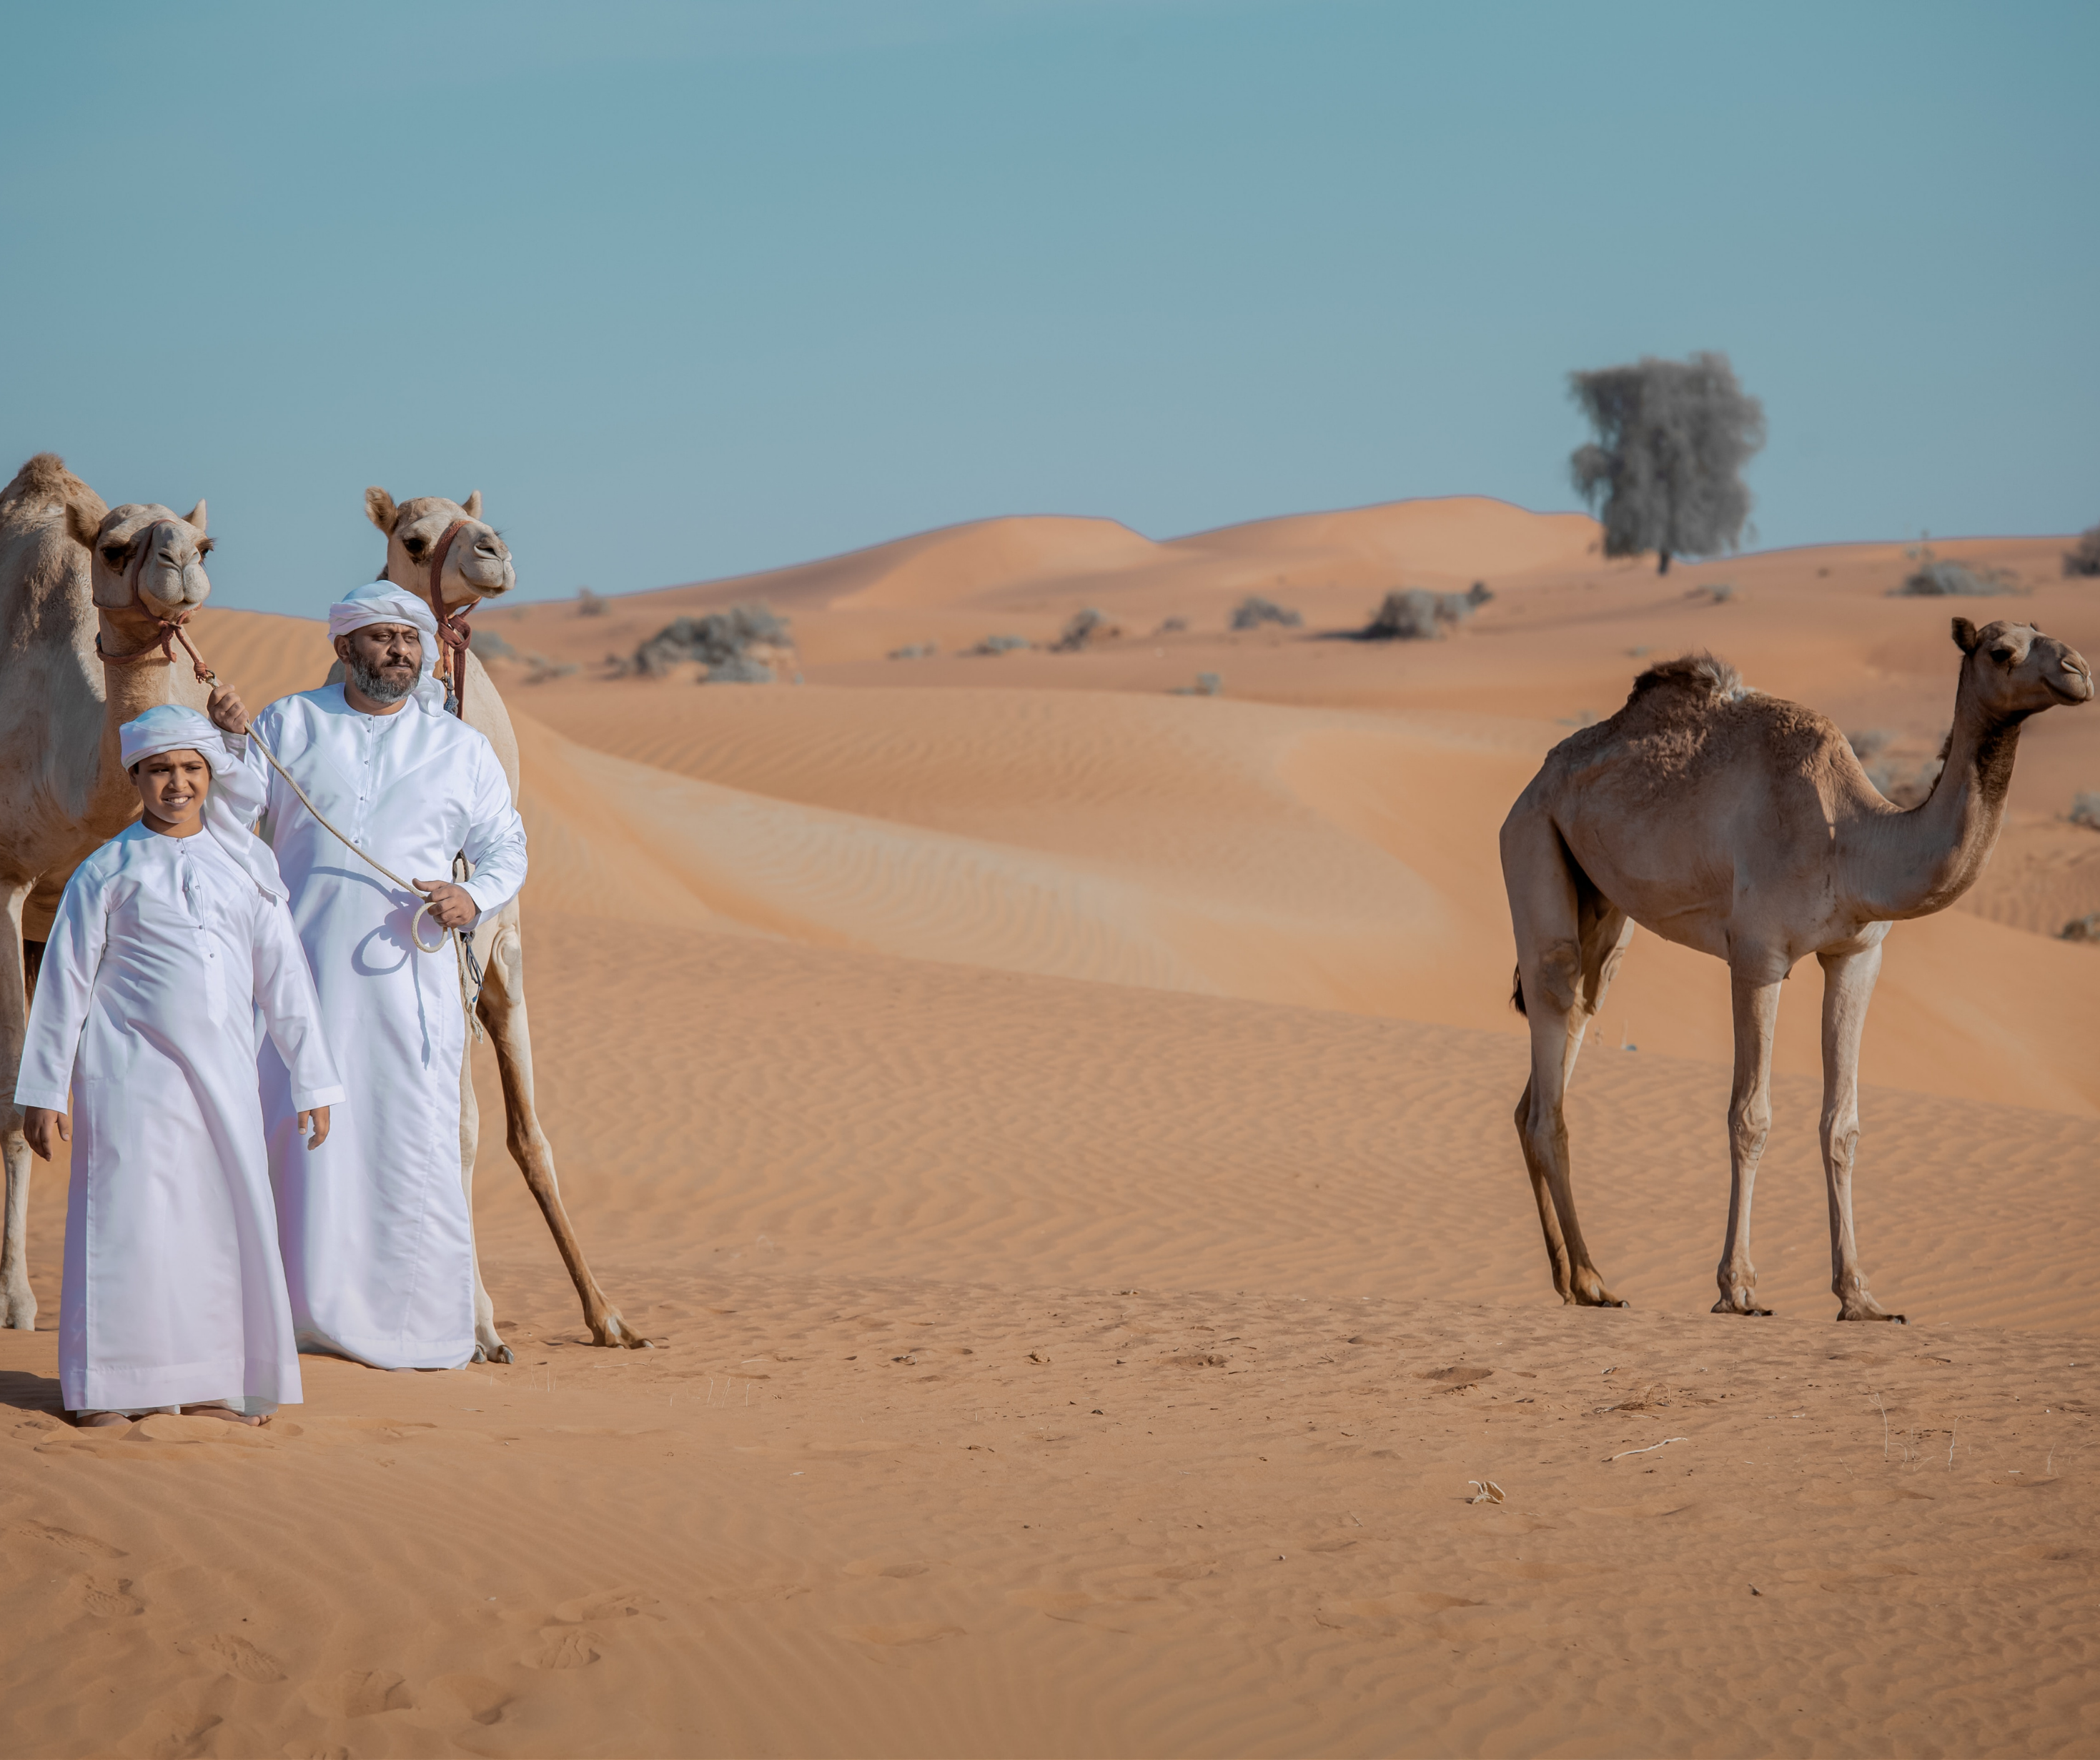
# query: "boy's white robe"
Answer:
x=378 y=1241
x=162 y=956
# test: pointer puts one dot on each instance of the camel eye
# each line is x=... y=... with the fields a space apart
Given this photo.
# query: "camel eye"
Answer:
x=415 y=546
x=205 y=546
x=114 y=554
x=2002 y=654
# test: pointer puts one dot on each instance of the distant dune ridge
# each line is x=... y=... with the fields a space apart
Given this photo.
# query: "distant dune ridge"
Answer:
x=1059 y=1131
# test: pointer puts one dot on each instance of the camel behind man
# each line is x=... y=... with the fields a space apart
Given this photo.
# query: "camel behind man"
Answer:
x=1742 y=825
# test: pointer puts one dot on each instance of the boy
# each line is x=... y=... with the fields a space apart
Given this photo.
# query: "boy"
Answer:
x=168 y=941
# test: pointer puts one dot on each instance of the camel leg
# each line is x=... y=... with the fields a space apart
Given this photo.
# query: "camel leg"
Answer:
x=1749 y=1121
x=1848 y=987
x=1570 y=940
x=18 y=1301
x=503 y=1012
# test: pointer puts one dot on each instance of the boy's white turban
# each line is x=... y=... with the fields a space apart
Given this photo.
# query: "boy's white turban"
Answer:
x=237 y=793
x=381 y=602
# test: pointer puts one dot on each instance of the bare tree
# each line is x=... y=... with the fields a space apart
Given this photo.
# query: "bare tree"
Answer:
x=1665 y=469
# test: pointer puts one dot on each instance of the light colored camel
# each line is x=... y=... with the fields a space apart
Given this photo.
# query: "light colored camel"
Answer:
x=75 y=577
x=1743 y=825
x=476 y=565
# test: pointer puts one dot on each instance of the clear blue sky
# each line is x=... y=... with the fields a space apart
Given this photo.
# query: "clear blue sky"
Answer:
x=692 y=289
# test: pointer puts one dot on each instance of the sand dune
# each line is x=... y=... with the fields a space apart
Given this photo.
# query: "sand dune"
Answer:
x=1058 y=1133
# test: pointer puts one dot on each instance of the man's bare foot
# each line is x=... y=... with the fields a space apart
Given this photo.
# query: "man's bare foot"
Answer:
x=99 y=1420
x=220 y=1409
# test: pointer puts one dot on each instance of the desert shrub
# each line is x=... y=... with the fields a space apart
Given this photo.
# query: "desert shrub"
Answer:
x=1173 y=626
x=1414 y=613
x=487 y=645
x=2085 y=809
x=1254 y=611
x=719 y=641
x=2085 y=928
x=589 y=604
x=2082 y=558
x=542 y=669
x=1940 y=577
x=924 y=650
x=999 y=645
x=1715 y=592
x=1206 y=684
x=1083 y=629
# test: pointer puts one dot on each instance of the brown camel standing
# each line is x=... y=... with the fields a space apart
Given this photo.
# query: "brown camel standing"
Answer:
x=1743 y=825
x=472 y=563
x=83 y=592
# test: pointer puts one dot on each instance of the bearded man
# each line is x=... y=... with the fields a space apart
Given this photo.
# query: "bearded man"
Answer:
x=377 y=1242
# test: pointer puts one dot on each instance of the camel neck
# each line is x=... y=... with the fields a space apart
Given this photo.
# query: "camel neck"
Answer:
x=1927 y=858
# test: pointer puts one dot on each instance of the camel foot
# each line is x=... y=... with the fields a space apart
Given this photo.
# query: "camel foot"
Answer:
x=1742 y=1302
x=1587 y=1291
x=1868 y=1308
x=613 y=1330
x=499 y=1351
x=20 y=1314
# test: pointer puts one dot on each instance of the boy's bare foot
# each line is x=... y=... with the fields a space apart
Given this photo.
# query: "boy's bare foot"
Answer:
x=220 y=1409
x=99 y=1420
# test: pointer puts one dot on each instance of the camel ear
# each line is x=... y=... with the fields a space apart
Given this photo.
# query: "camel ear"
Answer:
x=380 y=509
x=195 y=517
x=471 y=507
x=83 y=525
x=1966 y=635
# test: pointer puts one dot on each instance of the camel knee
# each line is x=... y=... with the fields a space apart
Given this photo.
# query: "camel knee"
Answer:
x=1750 y=1123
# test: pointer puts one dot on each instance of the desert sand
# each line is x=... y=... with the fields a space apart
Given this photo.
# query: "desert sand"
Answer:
x=1005 y=1090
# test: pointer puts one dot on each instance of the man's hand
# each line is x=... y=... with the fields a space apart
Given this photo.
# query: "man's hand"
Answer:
x=318 y=1119
x=37 y=1124
x=227 y=711
x=453 y=906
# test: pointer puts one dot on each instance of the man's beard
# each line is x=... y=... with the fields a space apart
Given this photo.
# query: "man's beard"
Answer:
x=377 y=686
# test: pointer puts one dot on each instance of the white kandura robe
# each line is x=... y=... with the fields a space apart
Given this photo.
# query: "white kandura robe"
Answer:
x=378 y=1243
x=162 y=956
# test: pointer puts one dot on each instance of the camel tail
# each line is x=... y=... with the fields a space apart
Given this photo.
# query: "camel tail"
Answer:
x=1516 y=992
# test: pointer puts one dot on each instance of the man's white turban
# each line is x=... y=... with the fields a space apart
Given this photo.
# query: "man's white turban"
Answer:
x=381 y=602
x=236 y=795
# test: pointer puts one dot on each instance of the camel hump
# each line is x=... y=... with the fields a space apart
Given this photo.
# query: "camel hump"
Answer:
x=1700 y=675
x=45 y=477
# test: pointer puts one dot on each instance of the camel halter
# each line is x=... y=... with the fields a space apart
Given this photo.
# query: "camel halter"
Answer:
x=454 y=631
x=172 y=631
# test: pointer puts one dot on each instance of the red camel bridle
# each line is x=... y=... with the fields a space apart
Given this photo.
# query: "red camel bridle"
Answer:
x=171 y=628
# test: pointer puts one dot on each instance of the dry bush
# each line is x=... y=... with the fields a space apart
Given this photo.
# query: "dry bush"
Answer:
x=1254 y=611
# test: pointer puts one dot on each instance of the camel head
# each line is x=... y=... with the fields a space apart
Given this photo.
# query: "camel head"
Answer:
x=149 y=547
x=478 y=565
x=2016 y=671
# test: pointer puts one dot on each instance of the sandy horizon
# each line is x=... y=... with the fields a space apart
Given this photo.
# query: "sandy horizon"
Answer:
x=1055 y=1129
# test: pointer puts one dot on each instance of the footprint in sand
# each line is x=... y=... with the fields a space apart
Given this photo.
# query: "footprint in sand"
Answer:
x=182 y=1737
x=608 y=1604
x=876 y=1567
x=560 y=1647
x=86 y=1544
x=478 y=1696
x=109 y=1597
x=357 y=1692
x=232 y=1654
